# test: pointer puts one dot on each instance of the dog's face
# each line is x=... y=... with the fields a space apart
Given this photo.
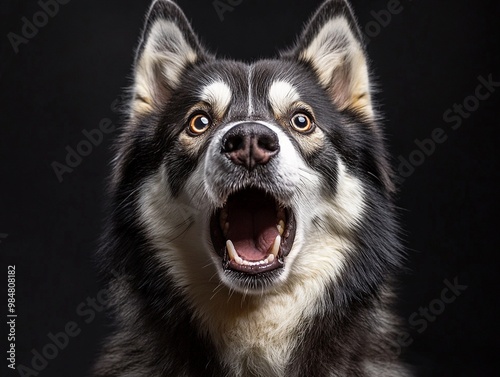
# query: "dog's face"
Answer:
x=252 y=175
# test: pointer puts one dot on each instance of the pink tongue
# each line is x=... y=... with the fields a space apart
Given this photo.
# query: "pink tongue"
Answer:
x=252 y=225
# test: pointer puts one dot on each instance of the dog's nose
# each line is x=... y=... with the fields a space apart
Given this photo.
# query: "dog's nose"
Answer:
x=250 y=144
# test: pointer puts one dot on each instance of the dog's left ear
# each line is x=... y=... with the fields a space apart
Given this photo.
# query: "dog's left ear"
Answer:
x=167 y=48
x=332 y=45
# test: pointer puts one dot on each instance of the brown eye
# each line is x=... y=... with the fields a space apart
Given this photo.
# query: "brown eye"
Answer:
x=199 y=123
x=301 y=123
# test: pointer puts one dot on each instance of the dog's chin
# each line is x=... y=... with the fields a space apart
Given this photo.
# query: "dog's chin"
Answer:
x=252 y=235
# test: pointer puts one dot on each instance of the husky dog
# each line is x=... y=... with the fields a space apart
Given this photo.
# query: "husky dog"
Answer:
x=252 y=228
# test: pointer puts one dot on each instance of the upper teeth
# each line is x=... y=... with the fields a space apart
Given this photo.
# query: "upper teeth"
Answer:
x=281 y=227
x=273 y=253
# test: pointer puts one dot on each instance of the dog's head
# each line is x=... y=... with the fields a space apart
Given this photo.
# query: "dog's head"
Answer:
x=253 y=175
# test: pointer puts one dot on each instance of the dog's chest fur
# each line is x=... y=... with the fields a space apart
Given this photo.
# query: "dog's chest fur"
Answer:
x=257 y=343
x=257 y=337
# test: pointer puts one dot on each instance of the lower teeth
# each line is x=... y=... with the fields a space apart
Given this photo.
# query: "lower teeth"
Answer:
x=243 y=262
x=273 y=250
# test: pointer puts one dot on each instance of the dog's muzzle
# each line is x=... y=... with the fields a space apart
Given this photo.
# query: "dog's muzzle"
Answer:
x=252 y=233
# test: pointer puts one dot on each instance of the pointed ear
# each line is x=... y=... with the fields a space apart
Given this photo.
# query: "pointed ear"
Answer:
x=168 y=46
x=332 y=45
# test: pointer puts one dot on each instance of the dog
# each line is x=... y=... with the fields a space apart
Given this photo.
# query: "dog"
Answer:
x=252 y=229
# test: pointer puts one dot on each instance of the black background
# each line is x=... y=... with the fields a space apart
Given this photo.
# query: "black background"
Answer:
x=65 y=79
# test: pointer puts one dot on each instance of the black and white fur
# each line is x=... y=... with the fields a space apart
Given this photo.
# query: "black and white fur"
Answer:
x=178 y=310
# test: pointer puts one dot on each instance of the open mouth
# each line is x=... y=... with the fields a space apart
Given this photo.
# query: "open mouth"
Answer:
x=252 y=233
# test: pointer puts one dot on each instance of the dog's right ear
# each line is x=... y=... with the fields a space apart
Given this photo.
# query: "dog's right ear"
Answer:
x=332 y=45
x=167 y=48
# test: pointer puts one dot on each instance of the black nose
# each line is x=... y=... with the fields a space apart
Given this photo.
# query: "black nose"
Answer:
x=250 y=144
